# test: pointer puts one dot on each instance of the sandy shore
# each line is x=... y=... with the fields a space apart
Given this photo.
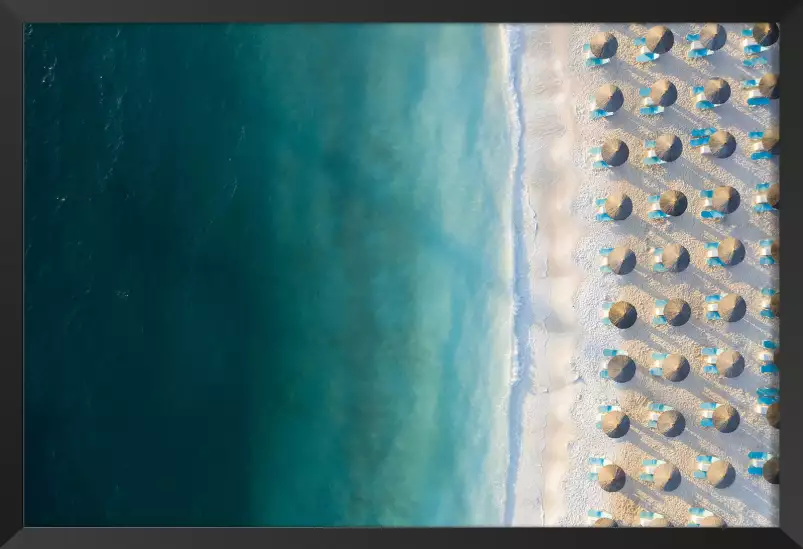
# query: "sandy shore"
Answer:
x=567 y=337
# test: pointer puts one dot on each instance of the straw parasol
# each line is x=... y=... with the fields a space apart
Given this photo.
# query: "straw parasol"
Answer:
x=615 y=152
x=726 y=199
x=730 y=364
x=671 y=423
x=604 y=45
x=772 y=470
x=666 y=477
x=668 y=147
x=675 y=368
x=731 y=251
x=774 y=196
x=775 y=249
x=611 y=478
x=659 y=523
x=663 y=93
x=673 y=203
x=615 y=424
x=771 y=140
x=675 y=258
x=713 y=36
x=769 y=86
x=609 y=98
x=717 y=90
x=618 y=206
x=677 y=312
x=722 y=144
x=621 y=368
x=660 y=39
x=774 y=415
x=726 y=418
x=721 y=474
x=604 y=523
x=775 y=304
x=712 y=522
x=622 y=260
x=766 y=34
x=622 y=315
x=732 y=308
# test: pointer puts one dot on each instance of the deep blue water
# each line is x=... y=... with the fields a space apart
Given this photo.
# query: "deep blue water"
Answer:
x=267 y=275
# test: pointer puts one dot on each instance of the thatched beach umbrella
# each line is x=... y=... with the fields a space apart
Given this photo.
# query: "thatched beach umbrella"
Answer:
x=775 y=249
x=772 y=470
x=668 y=147
x=769 y=86
x=676 y=258
x=618 y=206
x=615 y=424
x=726 y=199
x=731 y=251
x=663 y=93
x=771 y=140
x=675 y=368
x=774 y=415
x=622 y=260
x=774 y=196
x=659 y=523
x=677 y=312
x=660 y=39
x=717 y=91
x=726 y=418
x=611 y=478
x=713 y=36
x=712 y=522
x=622 y=315
x=671 y=423
x=604 y=523
x=775 y=304
x=732 y=308
x=730 y=364
x=609 y=98
x=721 y=474
x=604 y=45
x=722 y=144
x=666 y=477
x=766 y=34
x=621 y=368
x=673 y=203
x=615 y=152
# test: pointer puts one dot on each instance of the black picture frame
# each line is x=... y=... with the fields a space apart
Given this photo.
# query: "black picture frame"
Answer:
x=13 y=14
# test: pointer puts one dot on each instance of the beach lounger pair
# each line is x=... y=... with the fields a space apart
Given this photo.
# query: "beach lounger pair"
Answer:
x=766 y=397
x=767 y=357
x=760 y=201
x=752 y=50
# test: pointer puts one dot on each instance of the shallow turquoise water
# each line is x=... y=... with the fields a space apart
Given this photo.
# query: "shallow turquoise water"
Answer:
x=267 y=275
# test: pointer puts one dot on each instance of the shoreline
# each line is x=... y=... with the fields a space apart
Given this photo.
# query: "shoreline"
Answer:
x=545 y=281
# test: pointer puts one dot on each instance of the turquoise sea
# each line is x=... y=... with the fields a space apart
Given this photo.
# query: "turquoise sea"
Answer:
x=268 y=275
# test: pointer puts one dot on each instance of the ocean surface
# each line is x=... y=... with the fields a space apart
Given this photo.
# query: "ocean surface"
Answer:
x=268 y=275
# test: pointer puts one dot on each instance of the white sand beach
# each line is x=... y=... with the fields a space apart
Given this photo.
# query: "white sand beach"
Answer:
x=567 y=337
